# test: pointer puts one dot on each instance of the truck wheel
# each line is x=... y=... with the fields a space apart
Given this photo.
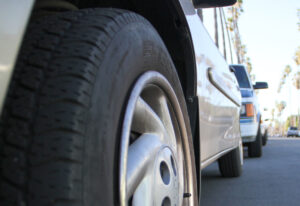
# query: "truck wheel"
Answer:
x=231 y=164
x=265 y=138
x=255 y=148
x=95 y=115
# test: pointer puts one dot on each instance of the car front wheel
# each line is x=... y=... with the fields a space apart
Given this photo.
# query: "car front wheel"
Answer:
x=95 y=115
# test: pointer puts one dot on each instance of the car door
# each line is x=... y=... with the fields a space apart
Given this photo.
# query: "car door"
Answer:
x=218 y=93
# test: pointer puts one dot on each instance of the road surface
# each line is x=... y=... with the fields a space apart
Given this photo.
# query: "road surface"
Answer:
x=272 y=180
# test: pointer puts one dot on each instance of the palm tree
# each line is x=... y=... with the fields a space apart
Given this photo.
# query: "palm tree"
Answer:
x=286 y=72
x=280 y=107
x=297 y=75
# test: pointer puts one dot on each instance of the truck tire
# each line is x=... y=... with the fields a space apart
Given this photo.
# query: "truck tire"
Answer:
x=255 y=148
x=95 y=115
x=265 y=138
x=231 y=164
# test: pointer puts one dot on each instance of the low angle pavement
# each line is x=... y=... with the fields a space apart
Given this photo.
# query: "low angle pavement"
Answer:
x=273 y=179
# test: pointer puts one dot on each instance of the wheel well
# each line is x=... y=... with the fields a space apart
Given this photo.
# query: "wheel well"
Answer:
x=168 y=19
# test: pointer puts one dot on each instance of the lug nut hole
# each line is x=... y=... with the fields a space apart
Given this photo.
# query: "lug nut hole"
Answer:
x=166 y=202
x=164 y=172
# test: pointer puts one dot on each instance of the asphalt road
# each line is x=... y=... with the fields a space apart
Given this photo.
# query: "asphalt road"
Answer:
x=273 y=179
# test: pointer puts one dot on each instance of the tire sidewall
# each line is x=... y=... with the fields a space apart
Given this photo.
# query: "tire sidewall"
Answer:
x=255 y=148
x=134 y=50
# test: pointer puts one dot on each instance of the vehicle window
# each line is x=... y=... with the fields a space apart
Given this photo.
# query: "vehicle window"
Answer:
x=209 y=22
x=221 y=33
x=214 y=20
x=229 y=49
x=293 y=128
x=242 y=77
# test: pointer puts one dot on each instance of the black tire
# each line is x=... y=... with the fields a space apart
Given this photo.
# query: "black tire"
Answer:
x=255 y=148
x=62 y=119
x=265 y=138
x=231 y=164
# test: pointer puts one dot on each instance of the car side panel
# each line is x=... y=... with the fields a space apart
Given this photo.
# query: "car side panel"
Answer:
x=218 y=114
x=14 y=15
x=219 y=128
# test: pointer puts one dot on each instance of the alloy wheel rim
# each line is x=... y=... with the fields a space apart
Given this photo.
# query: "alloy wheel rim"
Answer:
x=155 y=165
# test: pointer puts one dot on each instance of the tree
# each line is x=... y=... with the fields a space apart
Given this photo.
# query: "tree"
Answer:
x=241 y=51
x=296 y=79
x=273 y=114
x=280 y=106
x=286 y=72
x=288 y=123
x=297 y=56
x=235 y=12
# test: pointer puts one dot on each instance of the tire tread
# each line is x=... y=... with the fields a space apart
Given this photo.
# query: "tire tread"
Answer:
x=230 y=165
x=42 y=125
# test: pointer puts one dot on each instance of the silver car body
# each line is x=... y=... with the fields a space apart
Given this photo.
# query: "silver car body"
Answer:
x=293 y=131
x=217 y=88
x=14 y=15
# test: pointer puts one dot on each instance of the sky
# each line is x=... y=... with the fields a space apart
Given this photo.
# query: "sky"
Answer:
x=269 y=30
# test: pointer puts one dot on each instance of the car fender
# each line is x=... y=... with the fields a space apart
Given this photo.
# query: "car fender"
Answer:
x=14 y=16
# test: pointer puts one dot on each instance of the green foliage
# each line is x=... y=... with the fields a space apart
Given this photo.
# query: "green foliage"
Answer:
x=273 y=114
x=286 y=72
x=296 y=80
x=291 y=121
x=249 y=65
x=287 y=123
x=288 y=69
x=241 y=52
x=280 y=106
x=297 y=56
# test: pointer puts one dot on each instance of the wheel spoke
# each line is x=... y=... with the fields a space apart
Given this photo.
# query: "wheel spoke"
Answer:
x=145 y=120
x=158 y=101
x=156 y=166
x=140 y=155
x=143 y=193
x=168 y=123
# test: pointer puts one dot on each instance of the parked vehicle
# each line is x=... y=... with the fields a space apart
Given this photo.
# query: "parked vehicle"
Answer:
x=113 y=106
x=250 y=115
x=264 y=131
x=293 y=132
